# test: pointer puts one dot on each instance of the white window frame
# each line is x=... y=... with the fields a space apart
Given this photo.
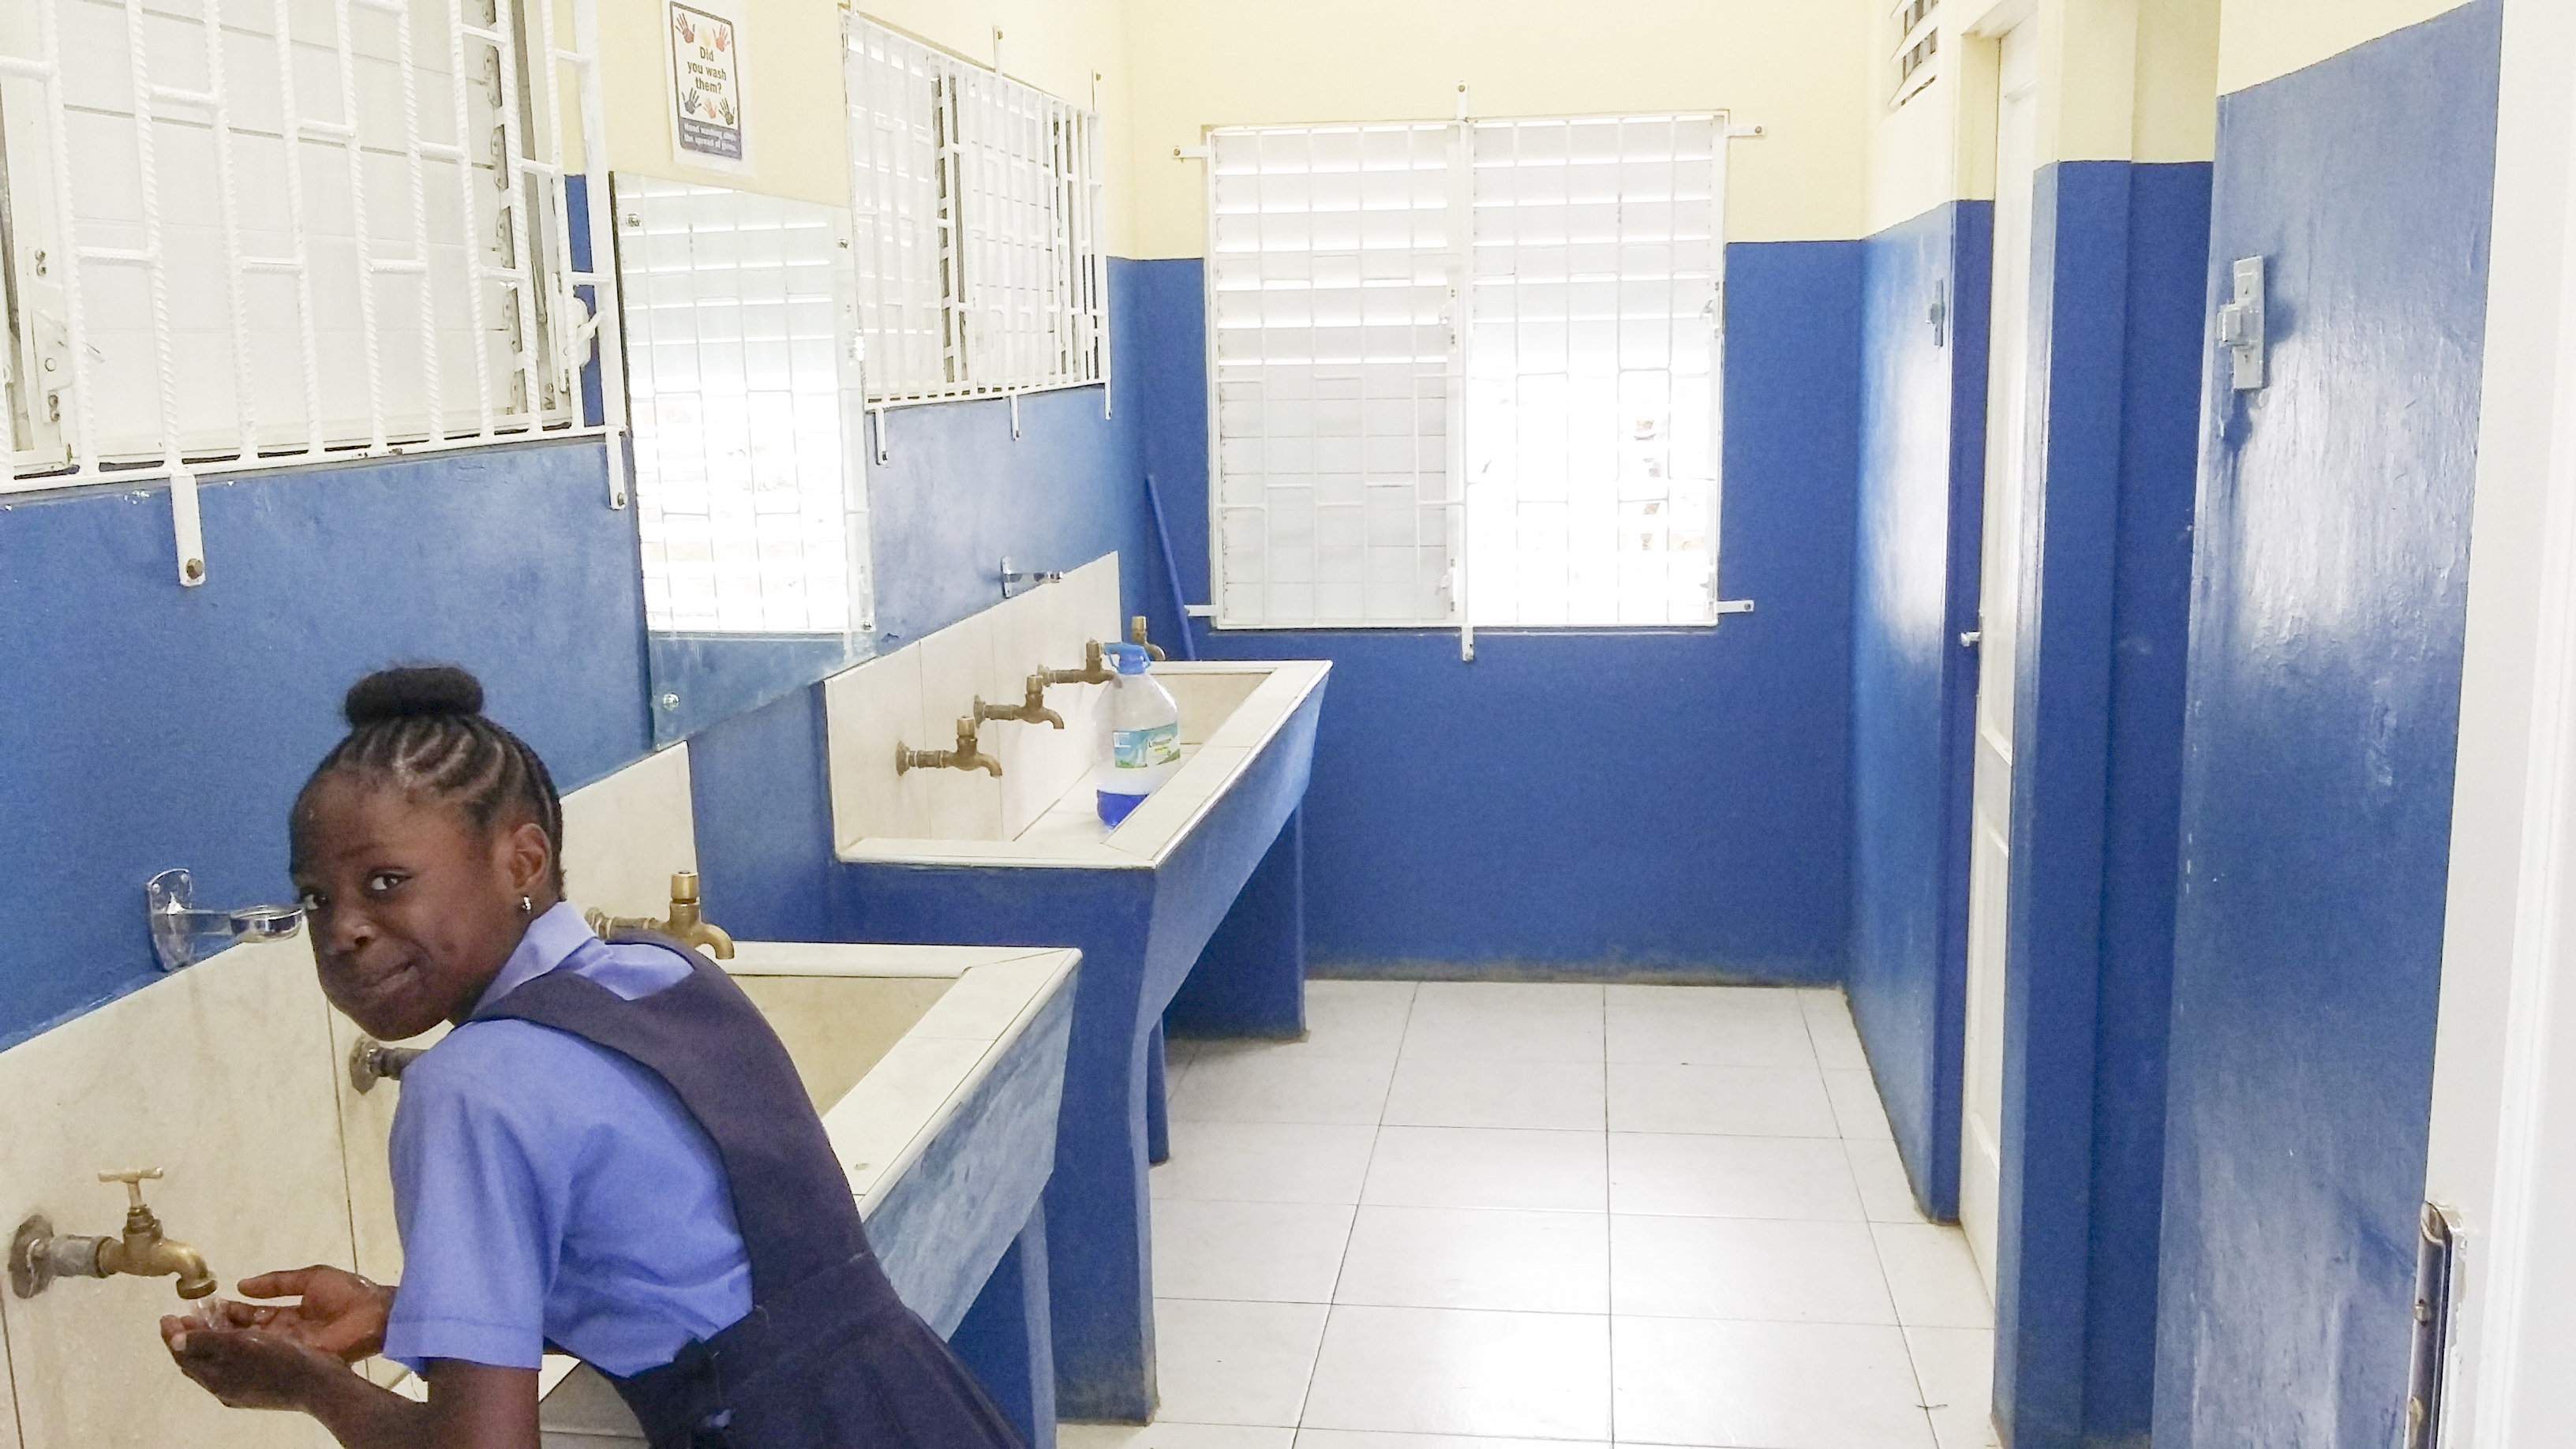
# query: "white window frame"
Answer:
x=524 y=282
x=1460 y=241
x=977 y=201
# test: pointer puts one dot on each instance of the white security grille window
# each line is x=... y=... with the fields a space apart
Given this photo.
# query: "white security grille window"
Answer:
x=249 y=232
x=740 y=313
x=1591 y=447
x=1330 y=265
x=1466 y=374
x=977 y=202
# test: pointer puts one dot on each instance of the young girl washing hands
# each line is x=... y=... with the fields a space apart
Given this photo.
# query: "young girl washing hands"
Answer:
x=610 y=1156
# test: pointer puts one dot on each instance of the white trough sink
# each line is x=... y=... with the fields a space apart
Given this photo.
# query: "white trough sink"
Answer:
x=1229 y=711
x=930 y=1064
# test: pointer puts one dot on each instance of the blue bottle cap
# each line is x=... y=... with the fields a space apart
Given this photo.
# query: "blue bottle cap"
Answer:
x=1127 y=658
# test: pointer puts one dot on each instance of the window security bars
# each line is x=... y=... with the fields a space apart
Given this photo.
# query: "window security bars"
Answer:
x=1591 y=371
x=1467 y=374
x=243 y=233
x=740 y=314
x=977 y=203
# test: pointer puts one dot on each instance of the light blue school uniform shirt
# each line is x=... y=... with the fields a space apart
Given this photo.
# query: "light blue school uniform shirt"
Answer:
x=549 y=1190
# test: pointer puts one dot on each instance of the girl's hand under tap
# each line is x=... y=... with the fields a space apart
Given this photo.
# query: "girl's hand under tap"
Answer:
x=338 y=1312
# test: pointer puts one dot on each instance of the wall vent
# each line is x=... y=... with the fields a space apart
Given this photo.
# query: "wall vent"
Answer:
x=1918 y=48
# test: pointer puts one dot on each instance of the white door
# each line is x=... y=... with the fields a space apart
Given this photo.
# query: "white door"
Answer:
x=1998 y=615
x=2503 y=1145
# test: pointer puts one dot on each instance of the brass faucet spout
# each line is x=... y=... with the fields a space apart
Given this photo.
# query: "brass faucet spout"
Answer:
x=1030 y=710
x=965 y=757
x=1094 y=670
x=686 y=924
x=147 y=1254
x=37 y=1256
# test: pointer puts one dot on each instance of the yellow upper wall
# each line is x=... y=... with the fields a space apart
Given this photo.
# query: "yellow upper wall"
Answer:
x=792 y=84
x=2260 y=40
x=1784 y=64
x=2119 y=80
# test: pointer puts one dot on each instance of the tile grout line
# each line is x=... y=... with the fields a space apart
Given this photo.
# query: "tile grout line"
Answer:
x=1376 y=1132
x=1609 y=1245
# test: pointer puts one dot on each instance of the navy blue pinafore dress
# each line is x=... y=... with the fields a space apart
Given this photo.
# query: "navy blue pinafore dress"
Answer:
x=828 y=1357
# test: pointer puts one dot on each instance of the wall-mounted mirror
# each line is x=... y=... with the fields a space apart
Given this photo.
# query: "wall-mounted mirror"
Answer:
x=740 y=320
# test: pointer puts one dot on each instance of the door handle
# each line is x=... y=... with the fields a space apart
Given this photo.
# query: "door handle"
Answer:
x=1969 y=639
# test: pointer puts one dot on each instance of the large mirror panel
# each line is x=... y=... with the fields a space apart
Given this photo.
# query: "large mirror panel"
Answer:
x=740 y=322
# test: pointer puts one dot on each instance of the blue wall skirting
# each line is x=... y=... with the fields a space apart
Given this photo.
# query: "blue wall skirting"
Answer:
x=1590 y=802
x=151 y=726
x=2117 y=269
x=1921 y=479
x=2328 y=607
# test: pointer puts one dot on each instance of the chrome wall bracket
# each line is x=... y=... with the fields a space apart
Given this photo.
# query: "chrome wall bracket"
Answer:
x=179 y=930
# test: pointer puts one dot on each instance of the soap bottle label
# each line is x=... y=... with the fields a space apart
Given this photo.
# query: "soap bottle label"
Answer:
x=1144 y=749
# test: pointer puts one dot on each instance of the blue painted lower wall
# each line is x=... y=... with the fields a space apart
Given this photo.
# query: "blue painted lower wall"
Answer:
x=1590 y=803
x=2328 y=607
x=150 y=726
x=1921 y=478
x=2117 y=269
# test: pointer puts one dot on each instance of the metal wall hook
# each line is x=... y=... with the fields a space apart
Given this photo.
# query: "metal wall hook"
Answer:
x=177 y=927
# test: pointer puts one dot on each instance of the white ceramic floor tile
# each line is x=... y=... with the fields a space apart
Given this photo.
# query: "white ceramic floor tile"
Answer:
x=1242 y=1081
x=1829 y=1025
x=1505 y=1021
x=1284 y=1252
x=1452 y=1092
x=1956 y=1370
x=1932 y=1276
x=1481 y=1258
x=1740 y=1026
x=1751 y=1268
x=1177 y=1056
x=1732 y=1177
x=1234 y=1363
x=1165 y=1434
x=1733 y=1101
x=1372 y=1439
x=1765 y=1385
x=1265 y=1162
x=1858 y=1113
x=1885 y=1193
x=1447 y=1371
x=1479 y=1167
x=1357 y=1018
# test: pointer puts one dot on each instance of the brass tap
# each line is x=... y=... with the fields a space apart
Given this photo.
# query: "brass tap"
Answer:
x=371 y=1061
x=1030 y=710
x=964 y=757
x=1136 y=636
x=1094 y=670
x=38 y=1255
x=686 y=924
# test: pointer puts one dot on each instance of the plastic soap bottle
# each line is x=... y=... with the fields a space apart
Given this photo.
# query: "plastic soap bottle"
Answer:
x=1144 y=735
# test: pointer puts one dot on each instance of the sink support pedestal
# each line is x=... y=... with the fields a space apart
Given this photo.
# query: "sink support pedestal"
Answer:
x=1007 y=1337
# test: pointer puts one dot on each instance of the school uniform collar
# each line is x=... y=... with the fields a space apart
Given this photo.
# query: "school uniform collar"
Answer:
x=551 y=938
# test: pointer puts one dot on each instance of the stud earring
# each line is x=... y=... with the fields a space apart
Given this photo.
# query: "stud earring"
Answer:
x=526 y=906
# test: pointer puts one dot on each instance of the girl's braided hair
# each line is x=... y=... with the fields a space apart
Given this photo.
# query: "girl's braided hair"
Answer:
x=422 y=729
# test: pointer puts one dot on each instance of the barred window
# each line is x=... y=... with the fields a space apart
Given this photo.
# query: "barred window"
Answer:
x=977 y=202
x=1466 y=373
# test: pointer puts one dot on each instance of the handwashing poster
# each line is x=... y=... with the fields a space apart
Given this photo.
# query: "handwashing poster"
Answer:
x=706 y=88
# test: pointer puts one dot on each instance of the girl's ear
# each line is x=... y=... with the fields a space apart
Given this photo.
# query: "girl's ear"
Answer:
x=527 y=859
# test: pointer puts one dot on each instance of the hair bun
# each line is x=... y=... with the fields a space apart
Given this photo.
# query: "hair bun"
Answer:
x=431 y=689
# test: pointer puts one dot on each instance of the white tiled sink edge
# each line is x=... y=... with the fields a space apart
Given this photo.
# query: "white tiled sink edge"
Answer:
x=1147 y=836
